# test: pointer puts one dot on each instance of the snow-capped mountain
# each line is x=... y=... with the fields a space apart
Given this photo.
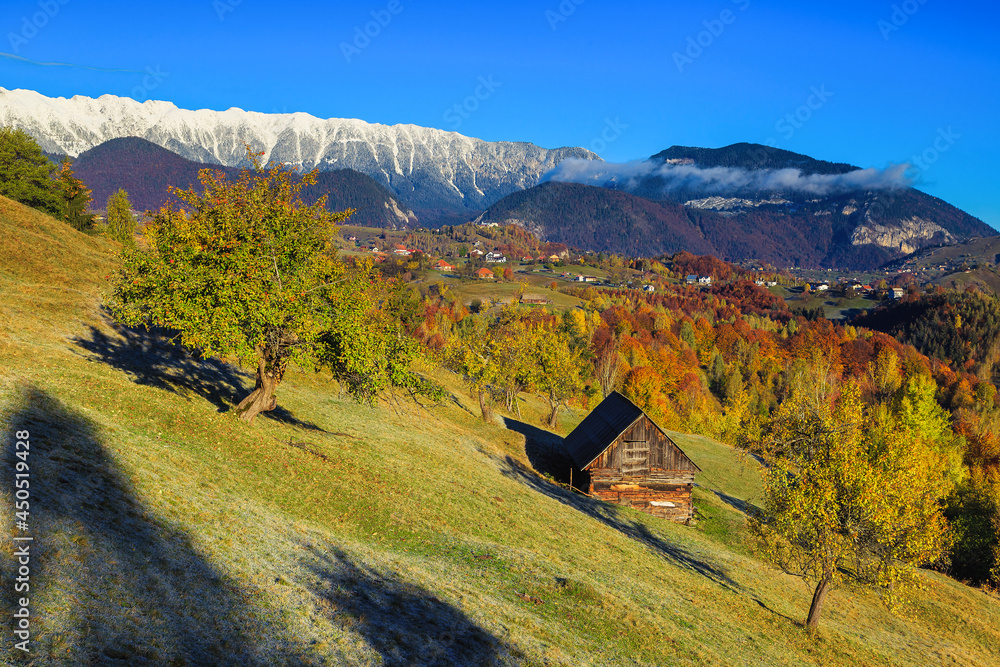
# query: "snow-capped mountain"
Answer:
x=427 y=168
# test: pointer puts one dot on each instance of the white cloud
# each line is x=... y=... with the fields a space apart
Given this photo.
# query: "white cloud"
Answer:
x=724 y=180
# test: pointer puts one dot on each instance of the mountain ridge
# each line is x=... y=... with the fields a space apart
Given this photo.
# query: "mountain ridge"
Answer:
x=146 y=170
x=425 y=167
x=752 y=156
x=840 y=224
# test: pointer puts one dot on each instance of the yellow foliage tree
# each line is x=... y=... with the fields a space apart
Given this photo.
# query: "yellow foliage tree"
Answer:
x=849 y=495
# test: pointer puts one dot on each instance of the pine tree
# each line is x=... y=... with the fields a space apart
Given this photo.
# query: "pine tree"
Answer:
x=121 y=223
x=76 y=198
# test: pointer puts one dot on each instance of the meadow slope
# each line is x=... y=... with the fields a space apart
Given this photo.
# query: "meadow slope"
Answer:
x=168 y=532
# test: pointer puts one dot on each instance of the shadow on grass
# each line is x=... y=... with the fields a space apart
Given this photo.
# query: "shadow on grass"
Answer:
x=110 y=582
x=402 y=622
x=151 y=360
x=747 y=508
x=547 y=455
x=614 y=517
x=544 y=450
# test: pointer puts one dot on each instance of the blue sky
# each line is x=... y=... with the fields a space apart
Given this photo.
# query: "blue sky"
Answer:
x=869 y=83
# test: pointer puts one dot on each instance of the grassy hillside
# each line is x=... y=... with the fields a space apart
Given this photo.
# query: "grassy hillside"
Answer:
x=167 y=532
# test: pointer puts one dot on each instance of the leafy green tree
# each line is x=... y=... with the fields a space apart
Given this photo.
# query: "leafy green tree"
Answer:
x=76 y=198
x=249 y=270
x=849 y=494
x=25 y=172
x=717 y=373
x=974 y=516
x=559 y=375
x=474 y=354
x=687 y=335
x=514 y=357
x=121 y=222
x=607 y=360
x=883 y=372
x=733 y=386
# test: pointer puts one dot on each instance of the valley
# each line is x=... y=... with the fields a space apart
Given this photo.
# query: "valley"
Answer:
x=325 y=392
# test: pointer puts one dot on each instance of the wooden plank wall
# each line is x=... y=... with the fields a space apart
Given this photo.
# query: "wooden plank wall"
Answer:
x=642 y=440
x=645 y=470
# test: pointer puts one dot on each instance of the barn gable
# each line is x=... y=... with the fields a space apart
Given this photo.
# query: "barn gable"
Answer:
x=618 y=434
x=641 y=450
x=600 y=428
x=625 y=458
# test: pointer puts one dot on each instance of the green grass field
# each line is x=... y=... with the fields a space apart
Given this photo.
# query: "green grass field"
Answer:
x=835 y=308
x=331 y=533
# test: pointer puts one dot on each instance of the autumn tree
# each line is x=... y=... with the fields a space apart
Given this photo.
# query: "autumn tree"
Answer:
x=849 y=494
x=247 y=269
x=121 y=222
x=25 y=172
x=607 y=361
x=515 y=358
x=75 y=196
x=475 y=354
x=559 y=374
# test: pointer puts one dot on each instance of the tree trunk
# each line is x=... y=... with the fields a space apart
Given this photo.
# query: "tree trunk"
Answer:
x=817 y=603
x=554 y=415
x=262 y=398
x=484 y=407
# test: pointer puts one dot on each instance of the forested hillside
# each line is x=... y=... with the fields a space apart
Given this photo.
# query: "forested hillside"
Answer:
x=146 y=171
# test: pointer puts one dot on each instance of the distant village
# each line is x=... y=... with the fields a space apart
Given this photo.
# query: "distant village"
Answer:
x=487 y=253
x=490 y=260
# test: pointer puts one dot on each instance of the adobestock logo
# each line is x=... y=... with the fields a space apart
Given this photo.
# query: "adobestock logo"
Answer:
x=919 y=164
x=612 y=130
x=942 y=143
x=562 y=13
x=793 y=121
x=698 y=43
x=461 y=111
x=150 y=82
x=901 y=13
x=363 y=35
x=30 y=26
x=223 y=7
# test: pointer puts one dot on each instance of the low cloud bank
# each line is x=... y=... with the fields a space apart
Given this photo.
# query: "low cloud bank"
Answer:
x=724 y=180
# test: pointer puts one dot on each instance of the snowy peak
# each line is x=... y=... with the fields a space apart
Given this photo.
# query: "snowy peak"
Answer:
x=427 y=168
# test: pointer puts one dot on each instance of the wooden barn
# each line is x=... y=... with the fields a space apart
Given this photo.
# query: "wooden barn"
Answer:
x=622 y=456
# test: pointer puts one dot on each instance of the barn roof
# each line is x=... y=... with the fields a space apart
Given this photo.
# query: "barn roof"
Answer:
x=602 y=427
